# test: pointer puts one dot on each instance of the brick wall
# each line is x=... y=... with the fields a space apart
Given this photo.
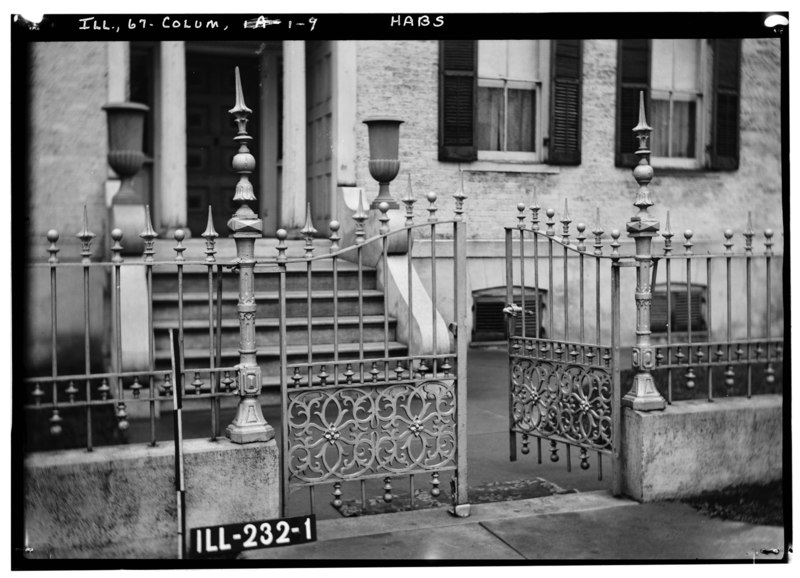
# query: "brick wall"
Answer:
x=399 y=78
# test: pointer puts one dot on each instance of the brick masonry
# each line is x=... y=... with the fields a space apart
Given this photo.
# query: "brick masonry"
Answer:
x=400 y=78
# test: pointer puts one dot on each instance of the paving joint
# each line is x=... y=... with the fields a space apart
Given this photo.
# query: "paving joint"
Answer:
x=432 y=518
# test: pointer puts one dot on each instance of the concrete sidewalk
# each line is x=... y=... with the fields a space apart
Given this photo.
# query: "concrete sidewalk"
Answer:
x=582 y=526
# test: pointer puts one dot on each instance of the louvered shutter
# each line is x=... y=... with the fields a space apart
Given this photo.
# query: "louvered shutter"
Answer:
x=633 y=76
x=458 y=63
x=725 y=116
x=565 y=103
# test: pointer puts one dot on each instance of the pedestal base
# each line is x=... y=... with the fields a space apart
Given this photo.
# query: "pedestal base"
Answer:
x=643 y=395
x=250 y=433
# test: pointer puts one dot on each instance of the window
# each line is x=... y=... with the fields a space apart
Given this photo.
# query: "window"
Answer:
x=674 y=310
x=680 y=78
x=509 y=93
x=510 y=100
x=676 y=101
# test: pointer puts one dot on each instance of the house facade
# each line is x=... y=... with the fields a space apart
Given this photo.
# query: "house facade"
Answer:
x=512 y=121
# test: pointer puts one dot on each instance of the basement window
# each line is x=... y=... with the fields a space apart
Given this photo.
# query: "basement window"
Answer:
x=679 y=314
x=488 y=320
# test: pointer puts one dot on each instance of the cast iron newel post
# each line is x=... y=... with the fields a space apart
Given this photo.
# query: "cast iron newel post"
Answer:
x=249 y=424
x=642 y=227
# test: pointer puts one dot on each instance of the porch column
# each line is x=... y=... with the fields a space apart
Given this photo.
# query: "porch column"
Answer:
x=293 y=175
x=170 y=136
x=344 y=115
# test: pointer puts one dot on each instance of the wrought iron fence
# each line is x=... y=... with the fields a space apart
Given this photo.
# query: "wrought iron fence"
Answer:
x=120 y=387
x=710 y=308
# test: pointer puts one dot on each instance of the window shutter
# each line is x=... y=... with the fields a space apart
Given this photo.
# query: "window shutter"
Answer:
x=633 y=76
x=565 y=103
x=725 y=118
x=458 y=64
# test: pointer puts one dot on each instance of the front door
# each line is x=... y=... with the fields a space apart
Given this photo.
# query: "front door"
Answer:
x=319 y=115
x=210 y=131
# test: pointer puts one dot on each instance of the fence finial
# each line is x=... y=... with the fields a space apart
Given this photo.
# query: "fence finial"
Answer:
x=535 y=211
x=520 y=215
x=334 y=238
x=598 y=234
x=52 y=237
x=383 y=207
x=148 y=235
x=667 y=234
x=210 y=235
x=643 y=172
x=85 y=236
x=460 y=197
x=409 y=201
x=565 y=222
x=359 y=217
x=308 y=231
x=116 y=247
x=748 y=235
x=431 y=196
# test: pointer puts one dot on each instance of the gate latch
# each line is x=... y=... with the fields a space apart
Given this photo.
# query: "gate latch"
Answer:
x=512 y=310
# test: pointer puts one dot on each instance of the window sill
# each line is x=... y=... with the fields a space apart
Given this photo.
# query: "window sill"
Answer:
x=508 y=167
x=701 y=172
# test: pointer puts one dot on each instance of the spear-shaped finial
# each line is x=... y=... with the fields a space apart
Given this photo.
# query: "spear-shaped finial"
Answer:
x=243 y=162
x=643 y=172
x=210 y=235
x=85 y=236
x=148 y=235
x=643 y=128
x=240 y=108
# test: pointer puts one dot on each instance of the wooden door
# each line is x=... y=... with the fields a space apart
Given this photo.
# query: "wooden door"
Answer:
x=210 y=94
x=319 y=140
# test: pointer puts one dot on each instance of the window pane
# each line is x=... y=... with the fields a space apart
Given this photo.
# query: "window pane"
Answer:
x=523 y=60
x=687 y=65
x=659 y=120
x=490 y=119
x=492 y=58
x=683 y=115
x=675 y=65
x=661 y=64
x=521 y=120
x=682 y=126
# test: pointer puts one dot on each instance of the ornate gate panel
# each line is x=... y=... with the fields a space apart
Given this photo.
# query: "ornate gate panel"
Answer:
x=564 y=368
x=387 y=420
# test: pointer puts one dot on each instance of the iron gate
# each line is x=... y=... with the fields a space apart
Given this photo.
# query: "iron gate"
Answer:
x=564 y=380
x=353 y=418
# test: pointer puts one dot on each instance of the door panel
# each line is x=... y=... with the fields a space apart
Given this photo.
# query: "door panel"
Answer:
x=319 y=137
x=210 y=93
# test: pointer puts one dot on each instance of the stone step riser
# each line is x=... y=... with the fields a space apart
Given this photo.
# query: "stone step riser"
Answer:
x=270 y=365
x=295 y=281
x=265 y=337
x=168 y=311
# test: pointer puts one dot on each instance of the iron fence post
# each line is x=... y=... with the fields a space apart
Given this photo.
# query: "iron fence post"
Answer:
x=249 y=424
x=642 y=227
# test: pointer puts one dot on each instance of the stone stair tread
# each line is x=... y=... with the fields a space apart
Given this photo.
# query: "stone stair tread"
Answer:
x=195 y=267
x=274 y=350
x=172 y=296
x=164 y=324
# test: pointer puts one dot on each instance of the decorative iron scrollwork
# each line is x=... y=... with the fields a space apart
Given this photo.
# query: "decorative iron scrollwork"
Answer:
x=563 y=401
x=351 y=432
